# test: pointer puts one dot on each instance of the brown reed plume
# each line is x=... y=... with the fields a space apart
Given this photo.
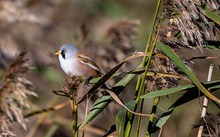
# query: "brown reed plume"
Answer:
x=14 y=91
x=185 y=23
x=70 y=87
x=157 y=82
x=212 y=126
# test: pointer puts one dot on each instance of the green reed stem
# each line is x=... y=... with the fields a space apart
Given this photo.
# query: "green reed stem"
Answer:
x=151 y=120
x=156 y=99
x=75 y=116
x=142 y=91
x=141 y=79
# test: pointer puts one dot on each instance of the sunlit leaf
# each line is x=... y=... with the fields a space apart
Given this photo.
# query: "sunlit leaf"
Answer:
x=208 y=85
x=122 y=119
x=169 y=53
x=108 y=75
x=101 y=81
x=120 y=102
x=211 y=15
x=187 y=97
x=102 y=102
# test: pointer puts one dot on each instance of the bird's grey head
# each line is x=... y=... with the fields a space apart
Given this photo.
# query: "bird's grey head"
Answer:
x=68 y=51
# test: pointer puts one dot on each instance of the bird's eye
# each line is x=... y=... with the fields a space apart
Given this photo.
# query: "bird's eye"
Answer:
x=63 y=53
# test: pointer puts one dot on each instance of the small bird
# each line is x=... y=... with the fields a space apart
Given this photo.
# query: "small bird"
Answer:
x=74 y=63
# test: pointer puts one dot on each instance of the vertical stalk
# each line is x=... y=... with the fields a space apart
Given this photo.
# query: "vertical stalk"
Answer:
x=156 y=99
x=140 y=83
x=205 y=103
x=151 y=120
x=75 y=116
x=141 y=79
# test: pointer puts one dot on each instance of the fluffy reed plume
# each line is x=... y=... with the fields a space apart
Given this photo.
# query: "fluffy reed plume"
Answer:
x=70 y=87
x=14 y=11
x=213 y=127
x=14 y=90
x=119 y=38
x=160 y=65
x=185 y=23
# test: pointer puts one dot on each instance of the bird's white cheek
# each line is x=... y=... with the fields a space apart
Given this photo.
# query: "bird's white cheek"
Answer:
x=65 y=65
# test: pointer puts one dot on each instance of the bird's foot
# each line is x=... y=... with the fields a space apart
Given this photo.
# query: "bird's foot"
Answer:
x=87 y=83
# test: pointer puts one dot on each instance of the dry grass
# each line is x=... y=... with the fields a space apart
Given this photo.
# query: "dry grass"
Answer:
x=14 y=92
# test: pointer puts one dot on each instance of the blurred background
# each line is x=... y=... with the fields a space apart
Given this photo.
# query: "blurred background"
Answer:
x=42 y=26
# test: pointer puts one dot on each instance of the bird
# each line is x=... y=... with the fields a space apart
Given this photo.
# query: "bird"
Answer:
x=74 y=63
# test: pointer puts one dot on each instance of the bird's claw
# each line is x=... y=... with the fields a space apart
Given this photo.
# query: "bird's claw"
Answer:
x=87 y=81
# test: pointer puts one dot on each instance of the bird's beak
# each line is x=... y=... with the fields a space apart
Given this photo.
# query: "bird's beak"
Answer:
x=58 y=53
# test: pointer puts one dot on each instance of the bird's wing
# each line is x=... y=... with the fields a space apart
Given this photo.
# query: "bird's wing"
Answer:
x=87 y=61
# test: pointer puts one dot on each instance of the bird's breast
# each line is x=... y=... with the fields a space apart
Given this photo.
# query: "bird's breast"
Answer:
x=74 y=67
